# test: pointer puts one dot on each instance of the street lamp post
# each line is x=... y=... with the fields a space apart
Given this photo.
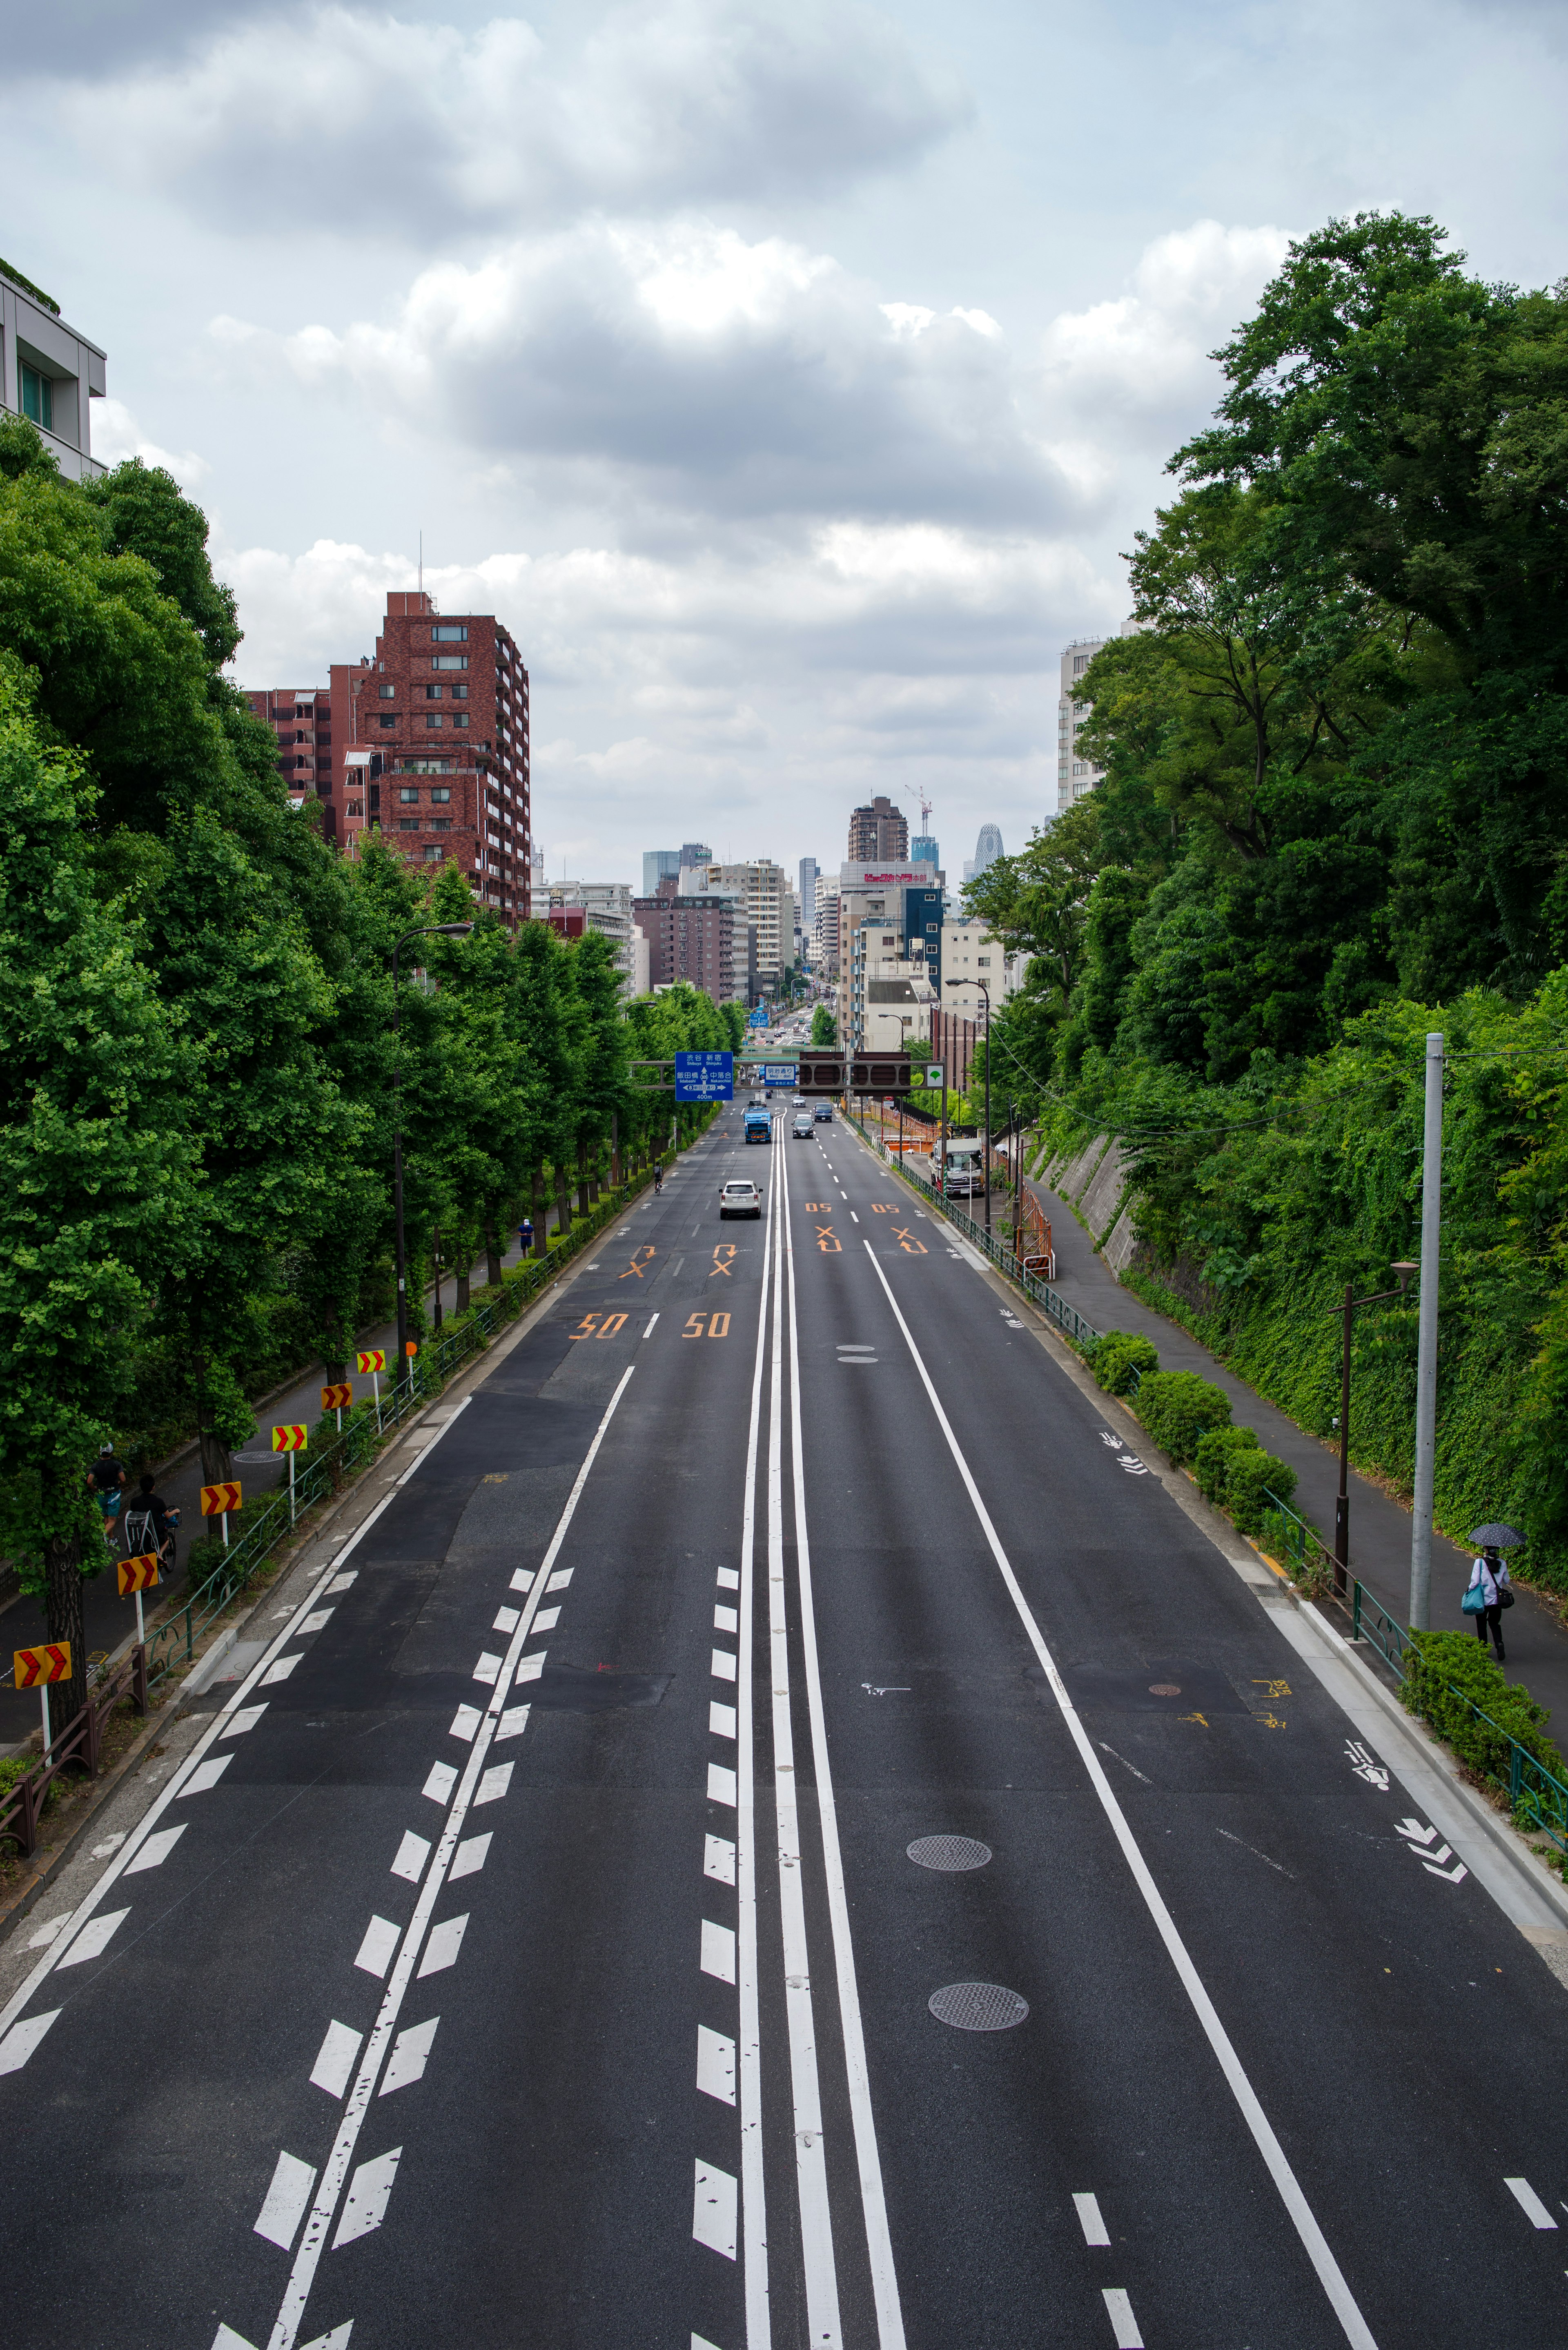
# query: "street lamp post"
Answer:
x=1342 y=1498
x=426 y=930
x=986 y=992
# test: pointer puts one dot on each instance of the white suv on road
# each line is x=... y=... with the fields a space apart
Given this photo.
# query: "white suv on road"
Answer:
x=739 y=1199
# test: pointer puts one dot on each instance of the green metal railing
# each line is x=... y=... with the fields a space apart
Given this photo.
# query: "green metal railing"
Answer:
x=369 y=1426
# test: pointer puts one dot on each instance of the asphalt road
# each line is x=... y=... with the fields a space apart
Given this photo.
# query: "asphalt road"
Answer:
x=538 y=1958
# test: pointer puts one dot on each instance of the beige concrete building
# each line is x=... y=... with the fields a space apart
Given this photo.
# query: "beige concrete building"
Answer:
x=1076 y=776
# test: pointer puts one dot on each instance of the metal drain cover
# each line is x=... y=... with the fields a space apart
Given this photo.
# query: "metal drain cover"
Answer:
x=949 y=1852
x=1165 y=1689
x=978 y=2006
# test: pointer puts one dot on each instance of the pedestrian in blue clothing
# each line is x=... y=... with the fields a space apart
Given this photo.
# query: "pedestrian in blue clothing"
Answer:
x=1489 y=1591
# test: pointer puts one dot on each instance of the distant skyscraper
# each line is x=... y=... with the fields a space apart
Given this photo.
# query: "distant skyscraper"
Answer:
x=655 y=864
x=1076 y=776
x=878 y=832
x=987 y=849
x=809 y=870
x=694 y=852
x=923 y=850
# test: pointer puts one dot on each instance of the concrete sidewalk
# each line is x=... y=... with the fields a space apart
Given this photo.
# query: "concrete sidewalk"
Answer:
x=1379 y=1527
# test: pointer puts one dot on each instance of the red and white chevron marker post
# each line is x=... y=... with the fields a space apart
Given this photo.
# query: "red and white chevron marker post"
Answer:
x=138 y=1575
x=37 y=1668
x=291 y=1438
x=375 y=1362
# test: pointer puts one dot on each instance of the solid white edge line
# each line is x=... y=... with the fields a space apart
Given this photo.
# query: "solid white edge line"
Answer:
x=749 y=2069
x=873 y=2198
x=819 y=2269
x=336 y=2170
x=1330 y=2276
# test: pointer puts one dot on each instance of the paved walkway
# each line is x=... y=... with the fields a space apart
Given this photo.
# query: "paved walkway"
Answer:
x=1379 y=1526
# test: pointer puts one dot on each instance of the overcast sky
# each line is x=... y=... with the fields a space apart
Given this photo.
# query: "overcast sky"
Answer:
x=788 y=377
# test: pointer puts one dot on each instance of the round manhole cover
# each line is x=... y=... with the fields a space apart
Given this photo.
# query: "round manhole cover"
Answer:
x=949 y=1852
x=978 y=2006
x=1165 y=1689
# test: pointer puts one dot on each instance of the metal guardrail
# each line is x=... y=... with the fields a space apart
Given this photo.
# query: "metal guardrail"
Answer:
x=80 y=1741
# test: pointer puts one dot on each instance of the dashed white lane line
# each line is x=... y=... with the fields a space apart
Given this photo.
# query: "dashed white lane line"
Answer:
x=1530 y=2203
x=728 y=1579
x=717 y=1952
x=506 y=1619
x=715 y=2209
x=557 y=1582
x=726 y=1619
x=469 y=1856
x=205 y=1776
x=334 y=2063
x=465 y=1722
x=444 y=1943
x=242 y=1723
x=721 y=1720
x=282 y=2207
x=720 y=1785
x=1087 y=2207
x=365 y=2205
x=651 y=1320
x=375 y=1955
x=441 y=1782
x=718 y=1859
x=723 y=1664
x=715 y=2065
x=94 y=1939
x=156 y=1850
x=547 y=1619
x=410 y=1857
x=487 y=1668
x=1124 y=2324
x=495 y=1784
x=411 y=2054
x=282 y=1670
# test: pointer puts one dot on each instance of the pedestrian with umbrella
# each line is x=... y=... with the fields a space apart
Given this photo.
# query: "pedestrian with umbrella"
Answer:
x=1491 y=1589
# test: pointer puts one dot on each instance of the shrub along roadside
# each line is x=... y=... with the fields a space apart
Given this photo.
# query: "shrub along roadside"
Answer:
x=1439 y=1663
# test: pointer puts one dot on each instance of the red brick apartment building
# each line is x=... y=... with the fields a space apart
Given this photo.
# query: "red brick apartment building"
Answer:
x=426 y=741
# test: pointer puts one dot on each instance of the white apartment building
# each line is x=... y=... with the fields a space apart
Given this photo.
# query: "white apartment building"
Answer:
x=1075 y=775
x=50 y=373
x=971 y=954
x=765 y=890
x=886 y=999
x=826 y=925
x=608 y=907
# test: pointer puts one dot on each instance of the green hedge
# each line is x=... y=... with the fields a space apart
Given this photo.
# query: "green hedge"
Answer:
x=1178 y=1408
x=1120 y=1358
x=1253 y=1476
x=1211 y=1461
x=1435 y=1663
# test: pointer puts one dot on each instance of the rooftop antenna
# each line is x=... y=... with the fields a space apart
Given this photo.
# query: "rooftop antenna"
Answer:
x=422 y=563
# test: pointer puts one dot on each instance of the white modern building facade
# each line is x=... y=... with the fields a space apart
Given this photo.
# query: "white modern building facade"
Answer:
x=1076 y=774
x=49 y=373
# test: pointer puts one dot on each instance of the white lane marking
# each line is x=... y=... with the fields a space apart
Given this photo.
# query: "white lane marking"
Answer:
x=718 y=1859
x=365 y=2205
x=94 y=1937
x=853 y=1217
x=243 y=1721
x=469 y=1856
x=22 y=2039
x=873 y=2198
x=341 y=1582
x=1330 y=2276
x=721 y=1784
x=713 y=2210
x=156 y=1850
x=715 y=2065
x=726 y=1619
x=465 y=1722
x=513 y=1722
x=530 y=1667
x=720 y=1719
x=1087 y=2207
x=1124 y=2324
x=1124 y=1764
x=445 y=1942
x=547 y=1619
x=283 y=2208
x=48 y=1930
x=487 y=1668
x=818 y=2264
x=441 y=1782
x=1530 y=2203
x=334 y=2063
x=651 y=1320
x=723 y=1664
x=495 y=1784
x=376 y=1950
x=718 y=1954
x=317 y=1618
x=1364 y=1764
x=411 y=1856
x=1433 y=1856
x=752 y=2190
x=282 y=1670
x=206 y=1774
x=728 y=1579
x=522 y=1580
x=506 y=1619
x=411 y=2054
x=559 y=1580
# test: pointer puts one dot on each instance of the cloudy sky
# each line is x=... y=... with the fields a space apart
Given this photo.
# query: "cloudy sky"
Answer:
x=788 y=376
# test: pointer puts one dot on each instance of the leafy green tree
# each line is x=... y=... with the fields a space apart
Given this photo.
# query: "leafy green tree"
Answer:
x=98 y=1194
x=823 y=1027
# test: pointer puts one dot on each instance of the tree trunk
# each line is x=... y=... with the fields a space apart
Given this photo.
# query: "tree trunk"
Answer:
x=615 y=1148
x=217 y=1461
x=541 y=1217
x=581 y=1177
x=491 y=1256
x=563 y=1203
x=63 y=1617
x=435 y=1261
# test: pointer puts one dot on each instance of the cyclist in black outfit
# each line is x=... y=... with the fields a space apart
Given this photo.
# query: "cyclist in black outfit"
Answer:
x=148 y=1524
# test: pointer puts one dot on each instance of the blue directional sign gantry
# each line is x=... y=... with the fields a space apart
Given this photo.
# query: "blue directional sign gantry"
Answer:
x=705 y=1076
x=780 y=1073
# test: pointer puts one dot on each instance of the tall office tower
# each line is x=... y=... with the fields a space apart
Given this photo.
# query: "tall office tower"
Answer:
x=878 y=834
x=1075 y=777
x=655 y=864
x=827 y=887
x=923 y=850
x=809 y=870
x=694 y=852
x=987 y=849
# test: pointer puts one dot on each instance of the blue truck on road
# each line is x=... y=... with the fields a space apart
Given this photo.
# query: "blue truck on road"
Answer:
x=759 y=1125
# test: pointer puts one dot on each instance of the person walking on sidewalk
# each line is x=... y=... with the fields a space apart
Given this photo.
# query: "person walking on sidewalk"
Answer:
x=1485 y=1597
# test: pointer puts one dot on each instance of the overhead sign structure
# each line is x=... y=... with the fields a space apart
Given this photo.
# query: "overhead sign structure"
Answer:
x=835 y=1072
x=375 y=1360
x=779 y=1073
x=705 y=1076
x=758 y=1018
x=290 y=1439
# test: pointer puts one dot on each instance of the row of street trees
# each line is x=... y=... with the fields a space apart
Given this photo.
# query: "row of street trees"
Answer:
x=197 y=1095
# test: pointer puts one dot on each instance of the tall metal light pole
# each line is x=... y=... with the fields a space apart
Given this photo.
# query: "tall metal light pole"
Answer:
x=986 y=992
x=426 y=930
x=1427 y=1341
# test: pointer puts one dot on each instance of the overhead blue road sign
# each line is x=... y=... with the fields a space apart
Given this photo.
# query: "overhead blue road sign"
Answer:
x=780 y=1073
x=760 y=1017
x=705 y=1076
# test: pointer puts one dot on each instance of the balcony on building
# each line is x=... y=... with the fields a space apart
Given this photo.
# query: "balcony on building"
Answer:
x=49 y=373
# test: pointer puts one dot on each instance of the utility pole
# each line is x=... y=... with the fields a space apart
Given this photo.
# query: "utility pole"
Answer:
x=986 y=992
x=1427 y=1340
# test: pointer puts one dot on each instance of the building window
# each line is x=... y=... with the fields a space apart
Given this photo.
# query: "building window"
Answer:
x=408 y=791
x=434 y=692
x=458 y=692
x=439 y=823
x=441 y=791
x=435 y=719
x=433 y=850
x=387 y=692
x=355 y=808
x=459 y=718
x=35 y=395
x=448 y=660
x=426 y=767
x=389 y=717
x=449 y=636
x=408 y=824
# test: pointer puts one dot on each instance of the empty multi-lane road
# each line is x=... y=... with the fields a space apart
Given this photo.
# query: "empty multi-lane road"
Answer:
x=777 y=1829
